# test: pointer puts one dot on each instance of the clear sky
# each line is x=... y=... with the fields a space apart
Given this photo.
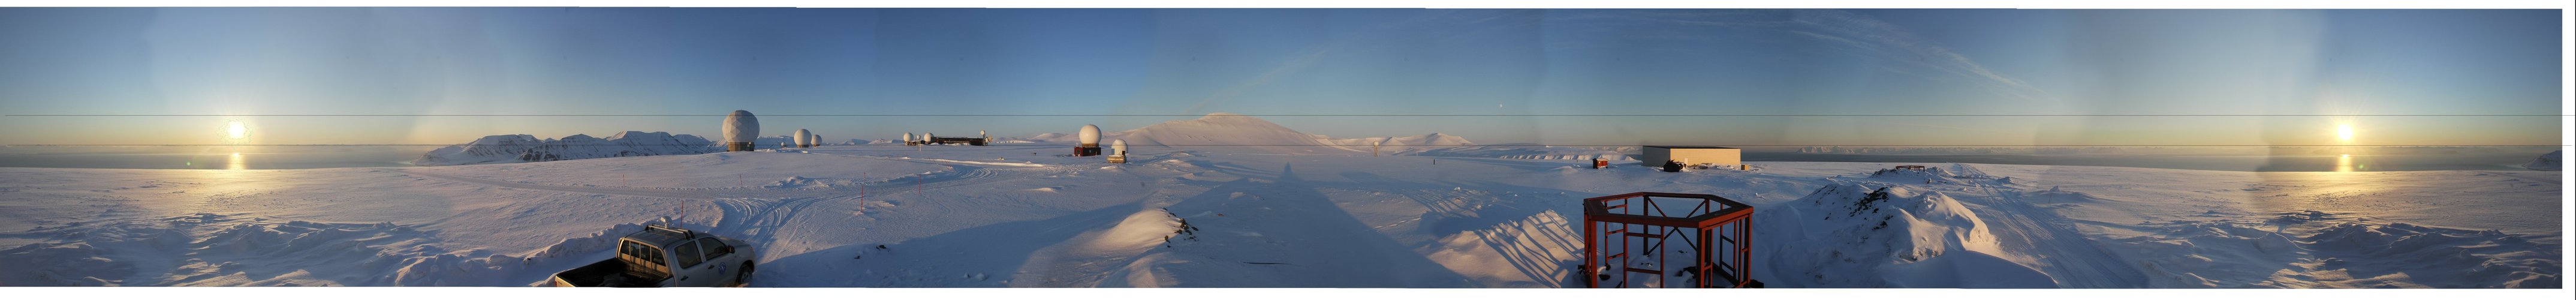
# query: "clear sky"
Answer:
x=368 y=75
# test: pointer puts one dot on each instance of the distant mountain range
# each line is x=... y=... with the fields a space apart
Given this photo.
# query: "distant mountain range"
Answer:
x=1216 y=131
x=1234 y=132
x=515 y=148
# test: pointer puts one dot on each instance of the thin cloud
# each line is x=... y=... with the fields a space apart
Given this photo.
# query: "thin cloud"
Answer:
x=1860 y=34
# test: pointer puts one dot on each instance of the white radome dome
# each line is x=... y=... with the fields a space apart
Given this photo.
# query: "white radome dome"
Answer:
x=1090 y=135
x=804 y=138
x=907 y=137
x=1118 y=147
x=741 y=127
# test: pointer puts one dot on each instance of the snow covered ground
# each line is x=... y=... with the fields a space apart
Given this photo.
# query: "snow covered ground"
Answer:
x=1019 y=215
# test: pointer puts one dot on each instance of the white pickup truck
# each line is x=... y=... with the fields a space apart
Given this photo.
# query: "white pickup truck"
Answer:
x=661 y=256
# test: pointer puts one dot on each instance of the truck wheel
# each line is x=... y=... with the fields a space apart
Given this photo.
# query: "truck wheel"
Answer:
x=743 y=278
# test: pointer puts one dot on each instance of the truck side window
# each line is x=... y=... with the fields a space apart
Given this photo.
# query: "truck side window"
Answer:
x=715 y=248
x=688 y=253
x=641 y=252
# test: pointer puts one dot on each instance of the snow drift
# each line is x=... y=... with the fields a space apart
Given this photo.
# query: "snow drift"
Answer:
x=1847 y=235
x=526 y=148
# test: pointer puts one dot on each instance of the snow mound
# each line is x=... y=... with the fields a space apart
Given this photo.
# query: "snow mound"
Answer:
x=1521 y=151
x=2347 y=254
x=516 y=148
x=1846 y=235
x=2546 y=162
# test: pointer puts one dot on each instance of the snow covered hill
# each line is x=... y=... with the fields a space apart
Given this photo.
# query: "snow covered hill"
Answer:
x=1891 y=236
x=1401 y=143
x=525 y=148
x=2546 y=162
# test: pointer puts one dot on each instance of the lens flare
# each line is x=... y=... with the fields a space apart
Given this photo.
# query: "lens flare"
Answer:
x=2344 y=132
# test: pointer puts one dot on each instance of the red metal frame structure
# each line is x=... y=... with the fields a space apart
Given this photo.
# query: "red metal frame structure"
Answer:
x=1715 y=229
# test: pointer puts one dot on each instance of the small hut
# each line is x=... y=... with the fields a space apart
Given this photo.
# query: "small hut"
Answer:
x=1118 y=151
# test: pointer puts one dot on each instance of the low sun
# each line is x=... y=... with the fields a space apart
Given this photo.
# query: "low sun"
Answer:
x=2343 y=132
x=235 y=130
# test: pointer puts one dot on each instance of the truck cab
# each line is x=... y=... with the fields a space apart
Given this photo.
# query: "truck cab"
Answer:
x=661 y=256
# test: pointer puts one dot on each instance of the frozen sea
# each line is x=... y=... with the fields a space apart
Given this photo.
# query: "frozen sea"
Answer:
x=199 y=157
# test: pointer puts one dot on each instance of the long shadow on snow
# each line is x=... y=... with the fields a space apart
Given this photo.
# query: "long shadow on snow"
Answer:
x=1529 y=251
x=1328 y=239
x=936 y=261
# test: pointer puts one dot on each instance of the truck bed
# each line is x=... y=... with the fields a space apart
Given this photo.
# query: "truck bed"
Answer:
x=605 y=273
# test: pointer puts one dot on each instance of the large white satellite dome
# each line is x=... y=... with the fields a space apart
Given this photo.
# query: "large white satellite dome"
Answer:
x=741 y=127
x=907 y=137
x=1090 y=135
x=804 y=138
x=1118 y=147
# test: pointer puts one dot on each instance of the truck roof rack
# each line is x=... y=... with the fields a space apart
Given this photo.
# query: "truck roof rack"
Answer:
x=660 y=233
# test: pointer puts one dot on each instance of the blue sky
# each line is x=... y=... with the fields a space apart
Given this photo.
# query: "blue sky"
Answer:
x=2038 y=66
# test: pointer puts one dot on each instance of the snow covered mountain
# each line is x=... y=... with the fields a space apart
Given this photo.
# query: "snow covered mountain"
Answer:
x=1527 y=151
x=1426 y=141
x=2546 y=162
x=1234 y=132
x=515 y=148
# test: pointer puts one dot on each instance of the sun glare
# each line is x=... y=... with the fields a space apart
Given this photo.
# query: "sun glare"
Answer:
x=235 y=130
x=2344 y=132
